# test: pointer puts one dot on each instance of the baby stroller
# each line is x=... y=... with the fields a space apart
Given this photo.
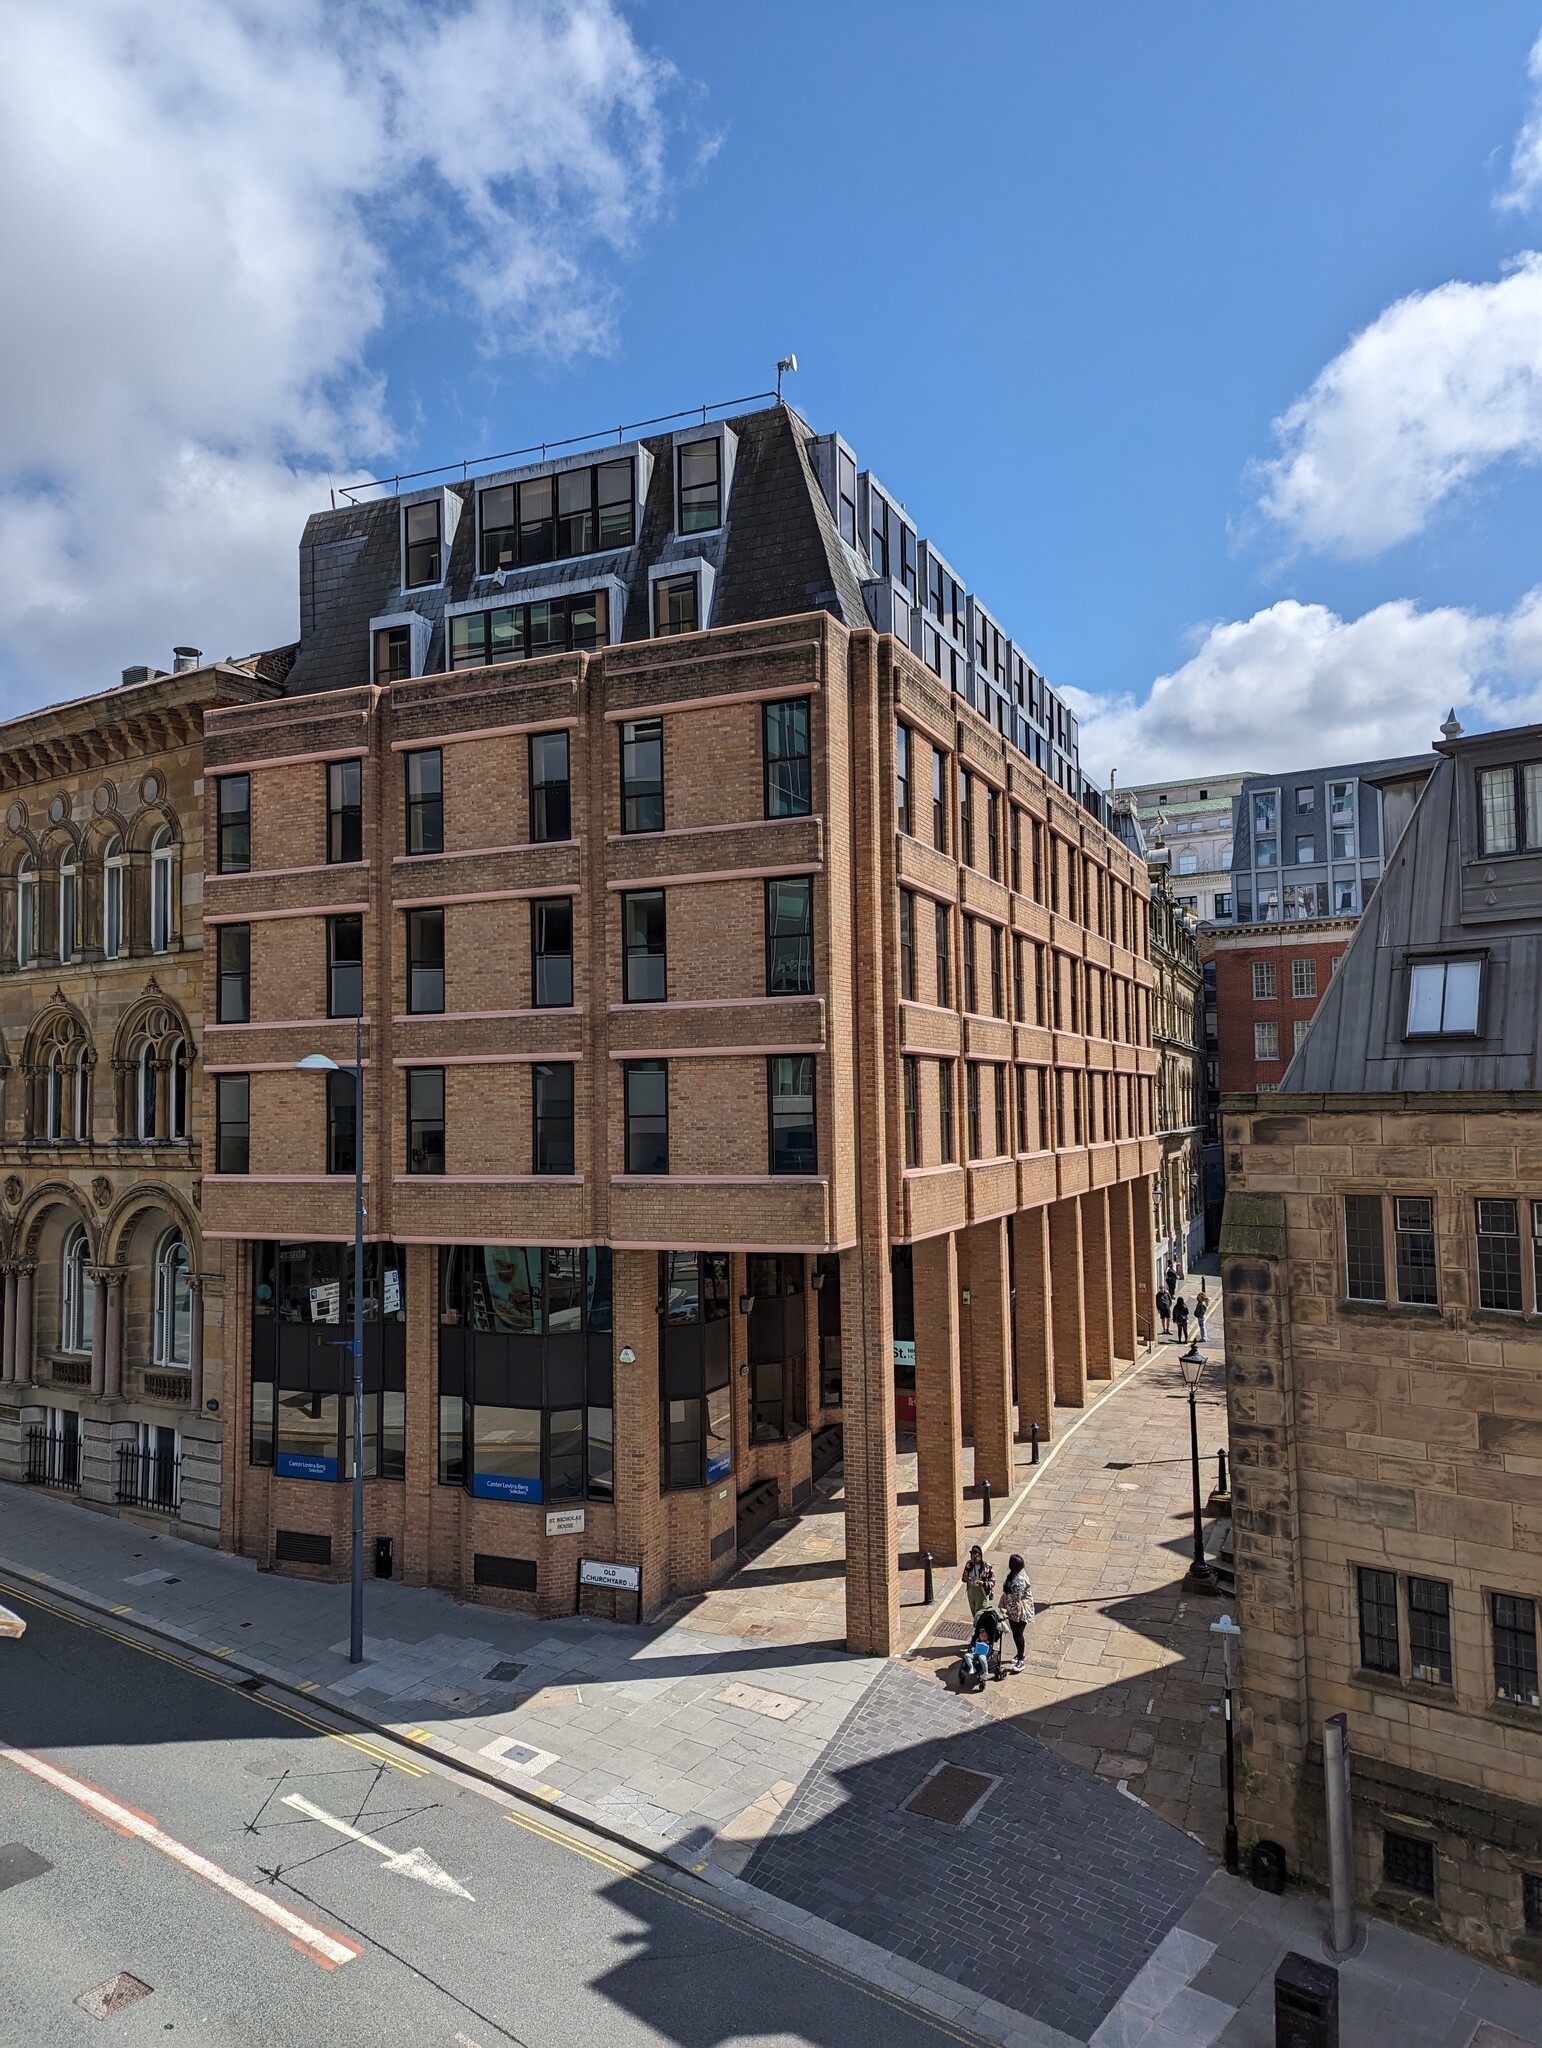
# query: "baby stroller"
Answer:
x=981 y=1656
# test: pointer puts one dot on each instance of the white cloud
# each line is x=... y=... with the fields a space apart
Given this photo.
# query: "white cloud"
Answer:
x=215 y=211
x=1526 y=157
x=1295 y=683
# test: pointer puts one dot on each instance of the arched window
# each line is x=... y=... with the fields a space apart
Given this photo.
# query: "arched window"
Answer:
x=146 y=1092
x=53 y=1094
x=69 y=894
x=26 y=912
x=176 y=1089
x=112 y=899
x=161 y=892
x=173 y=1302
x=79 y=1294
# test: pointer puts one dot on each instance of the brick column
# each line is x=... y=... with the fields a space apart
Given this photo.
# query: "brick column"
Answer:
x=1145 y=1265
x=640 y=1518
x=1035 y=1334
x=1121 y=1227
x=1070 y=1329
x=990 y=1319
x=939 y=1426
x=1096 y=1284
x=965 y=1335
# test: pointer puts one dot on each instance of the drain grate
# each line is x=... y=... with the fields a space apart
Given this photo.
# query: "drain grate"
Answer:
x=954 y=1631
x=116 y=1995
x=951 y=1795
x=503 y=1674
x=19 y=1863
x=253 y=1684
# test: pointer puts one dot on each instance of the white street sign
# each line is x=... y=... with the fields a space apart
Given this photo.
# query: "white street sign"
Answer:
x=626 y=1578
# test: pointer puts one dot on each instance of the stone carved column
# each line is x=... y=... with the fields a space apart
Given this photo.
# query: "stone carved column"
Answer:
x=8 y=1340
x=22 y=1356
x=113 y=1278
x=96 y=1280
x=195 y=1347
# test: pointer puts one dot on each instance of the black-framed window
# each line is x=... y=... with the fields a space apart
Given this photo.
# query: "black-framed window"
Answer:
x=526 y=1395
x=234 y=1005
x=551 y=789
x=910 y=1070
x=1365 y=1259
x=524 y=632
x=907 y=945
x=789 y=787
x=1414 y=1229
x=423 y=771
x=675 y=607
x=642 y=775
x=645 y=1087
x=552 y=518
x=1510 y=807
x=1499 y=1255
x=1429 y=1630
x=998 y=990
x=425 y=1120
x=425 y=962
x=695 y=1369
x=1020 y=979
x=902 y=800
x=235 y=824
x=342 y=1123
x=301 y=1370
x=1377 y=1595
x=942 y=936
x=552 y=1116
x=421 y=544
x=700 y=483
x=644 y=963
x=790 y=1090
x=972 y=1105
x=777 y=1342
x=393 y=654
x=971 y=974
x=1003 y=1123
x=345 y=965
x=946 y=1084
x=345 y=811
x=939 y=800
x=1444 y=998
x=551 y=952
x=993 y=832
x=790 y=935
x=966 y=783
x=1514 y=1622
x=1408 y=1863
x=232 y=1123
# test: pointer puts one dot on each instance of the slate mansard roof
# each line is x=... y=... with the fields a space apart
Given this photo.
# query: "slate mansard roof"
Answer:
x=1440 y=897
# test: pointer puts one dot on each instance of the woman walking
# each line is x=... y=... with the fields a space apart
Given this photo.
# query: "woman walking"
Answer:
x=1164 y=1308
x=1017 y=1605
x=1201 y=1310
x=1181 y=1319
x=979 y=1580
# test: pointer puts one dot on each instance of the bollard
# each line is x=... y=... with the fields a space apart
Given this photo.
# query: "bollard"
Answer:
x=985 y=1495
x=931 y=1594
x=1033 y=1439
x=1220 y=1460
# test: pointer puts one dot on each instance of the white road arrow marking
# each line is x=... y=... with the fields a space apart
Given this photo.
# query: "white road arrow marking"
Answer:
x=405 y=1862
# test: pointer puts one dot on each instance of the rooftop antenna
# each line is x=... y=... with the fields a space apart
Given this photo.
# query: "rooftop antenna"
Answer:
x=788 y=364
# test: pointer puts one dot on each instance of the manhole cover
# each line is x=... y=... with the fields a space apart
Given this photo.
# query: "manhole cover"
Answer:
x=954 y=1631
x=253 y=1684
x=114 y=1996
x=504 y=1674
x=951 y=1795
x=18 y=1863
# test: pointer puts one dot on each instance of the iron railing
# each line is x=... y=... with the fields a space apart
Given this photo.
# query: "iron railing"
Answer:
x=149 y=1479
x=53 y=1459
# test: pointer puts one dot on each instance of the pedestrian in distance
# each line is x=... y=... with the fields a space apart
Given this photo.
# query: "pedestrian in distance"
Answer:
x=1017 y=1605
x=1181 y=1319
x=1164 y=1308
x=979 y=1580
x=1172 y=1276
x=1201 y=1310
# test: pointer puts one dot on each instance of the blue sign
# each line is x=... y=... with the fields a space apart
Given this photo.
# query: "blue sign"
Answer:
x=498 y=1486
x=719 y=1468
x=292 y=1466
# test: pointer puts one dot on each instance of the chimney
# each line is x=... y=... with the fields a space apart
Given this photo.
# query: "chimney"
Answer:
x=139 y=674
x=185 y=657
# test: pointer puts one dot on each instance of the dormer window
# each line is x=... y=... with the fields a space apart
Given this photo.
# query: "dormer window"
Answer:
x=1443 y=998
x=700 y=485
x=393 y=654
x=421 y=544
x=675 y=608
x=552 y=518
x=1510 y=808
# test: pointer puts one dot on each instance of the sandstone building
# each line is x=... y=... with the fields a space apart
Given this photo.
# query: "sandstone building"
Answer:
x=1382 y=1259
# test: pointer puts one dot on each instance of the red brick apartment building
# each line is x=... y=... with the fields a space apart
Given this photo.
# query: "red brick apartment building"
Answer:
x=753 y=1030
x=1269 y=979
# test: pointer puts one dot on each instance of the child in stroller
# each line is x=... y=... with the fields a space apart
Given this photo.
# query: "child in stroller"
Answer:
x=982 y=1658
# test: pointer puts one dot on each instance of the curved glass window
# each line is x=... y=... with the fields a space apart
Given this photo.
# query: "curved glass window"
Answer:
x=173 y=1344
x=78 y=1291
x=161 y=891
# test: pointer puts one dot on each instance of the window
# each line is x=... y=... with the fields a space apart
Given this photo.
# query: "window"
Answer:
x=1343 y=843
x=971 y=946
x=79 y=1294
x=966 y=784
x=1266 y=1041
x=942 y=931
x=234 y=801
x=550 y=794
x=790 y=1088
x=420 y=534
x=176 y=1084
x=1343 y=899
x=342 y=1123
x=69 y=878
x=642 y=775
x=26 y=911
x=1414 y=1220
x=939 y=800
x=551 y=952
x=1499 y=1256
x=524 y=632
x=572 y=513
x=1298 y=1031
x=911 y=1072
x=162 y=892
x=552 y=1090
x=1510 y=807
x=1303 y=979
x=674 y=606
x=425 y=801
x=425 y=962
x=945 y=1097
x=998 y=992
x=790 y=936
x=1222 y=904
x=113 y=865
x=1263 y=981
x=902 y=809
x=1364 y=1256
x=695 y=1369
x=972 y=1106
x=778 y=1348
x=232 y=1123
x=993 y=832
x=1265 y=811
x=393 y=654
x=1378 y=1621
x=1443 y=997
x=1306 y=800
x=642 y=944
x=1003 y=1126
x=788 y=784
x=173 y=1335
x=345 y=811
x=646 y=1083
x=301 y=1421
x=425 y=1119
x=1188 y=863
x=1408 y=1863
x=1429 y=1630
x=1266 y=853
x=1515 y=1649
x=1306 y=852
x=907 y=945
x=1341 y=803
x=1019 y=978
x=1536 y=1249
x=234 y=1001
x=700 y=482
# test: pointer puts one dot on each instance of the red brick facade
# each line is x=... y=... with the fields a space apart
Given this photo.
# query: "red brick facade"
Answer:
x=1294 y=963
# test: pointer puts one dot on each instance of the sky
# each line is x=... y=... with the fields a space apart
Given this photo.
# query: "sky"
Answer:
x=1206 y=341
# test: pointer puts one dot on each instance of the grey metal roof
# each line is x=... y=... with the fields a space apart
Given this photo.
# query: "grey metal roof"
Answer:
x=1439 y=896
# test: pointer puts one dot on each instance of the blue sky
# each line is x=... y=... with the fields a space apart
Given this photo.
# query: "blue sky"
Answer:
x=1055 y=272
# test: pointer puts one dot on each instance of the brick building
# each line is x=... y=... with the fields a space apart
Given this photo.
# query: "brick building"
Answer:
x=1176 y=1008
x=111 y=1360
x=1382 y=1259
x=1268 y=981
x=749 y=995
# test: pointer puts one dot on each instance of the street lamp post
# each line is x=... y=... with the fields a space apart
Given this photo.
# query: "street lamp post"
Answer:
x=318 y=1063
x=1229 y=1633
x=1191 y=1364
